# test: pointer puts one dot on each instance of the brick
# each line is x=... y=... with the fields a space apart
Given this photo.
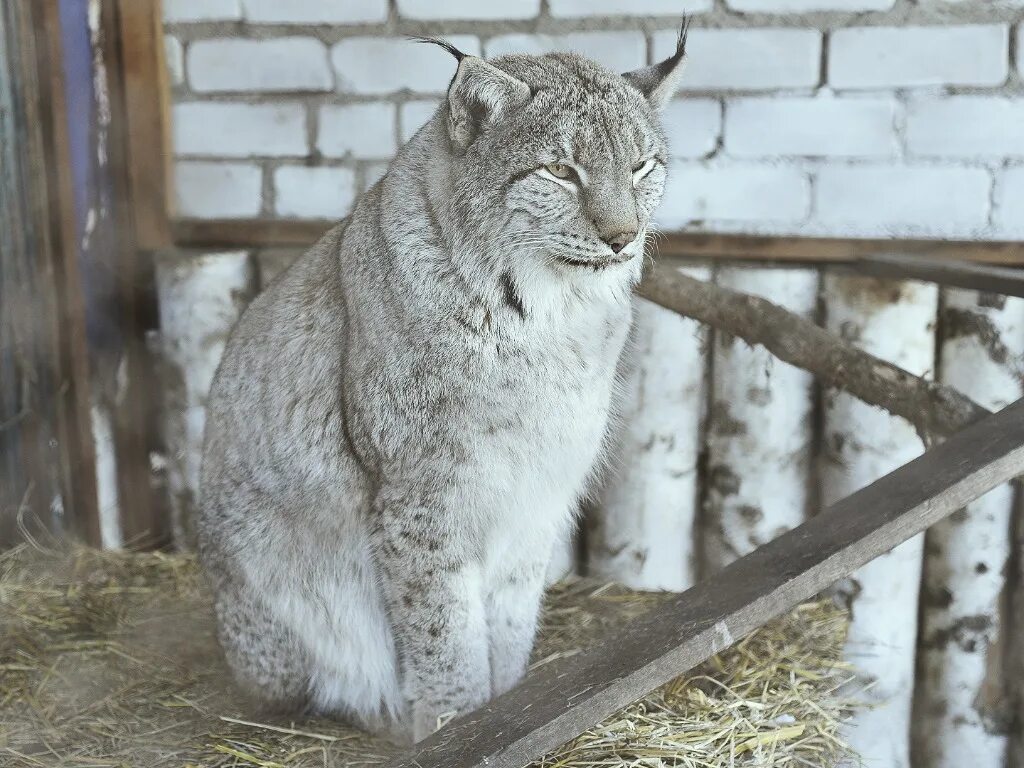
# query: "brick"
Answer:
x=966 y=126
x=746 y=59
x=578 y=8
x=907 y=198
x=1020 y=49
x=362 y=130
x=808 y=6
x=174 y=57
x=1009 y=216
x=733 y=192
x=315 y=11
x=692 y=126
x=618 y=51
x=413 y=115
x=911 y=57
x=468 y=9
x=823 y=127
x=278 y=64
x=218 y=190
x=239 y=130
x=177 y=11
x=314 y=193
x=389 y=64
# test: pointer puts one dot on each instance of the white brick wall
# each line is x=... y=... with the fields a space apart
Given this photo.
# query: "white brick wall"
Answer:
x=413 y=115
x=239 y=130
x=806 y=6
x=618 y=51
x=174 y=57
x=468 y=9
x=577 y=8
x=824 y=127
x=315 y=11
x=1009 y=212
x=966 y=126
x=313 y=193
x=378 y=65
x=746 y=59
x=909 y=57
x=280 y=64
x=176 y=11
x=759 y=131
x=734 y=192
x=946 y=200
x=217 y=190
x=362 y=130
x=692 y=126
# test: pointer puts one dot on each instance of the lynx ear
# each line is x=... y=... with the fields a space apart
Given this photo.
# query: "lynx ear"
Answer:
x=478 y=95
x=658 y=82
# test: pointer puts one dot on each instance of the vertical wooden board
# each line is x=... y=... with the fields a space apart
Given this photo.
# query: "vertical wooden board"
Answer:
x=760 y=429
x=962 y=707
x=201 y=298
x=894 y=321
x=642 y=528
x=146 y=91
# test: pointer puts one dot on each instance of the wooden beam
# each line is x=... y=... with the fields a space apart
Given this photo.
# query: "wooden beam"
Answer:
x=259 y=233
x=1006 y=281
x=562 y=699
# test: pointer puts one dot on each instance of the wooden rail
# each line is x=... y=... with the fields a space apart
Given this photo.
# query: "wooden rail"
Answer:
x=263 y=233
x=562 y=699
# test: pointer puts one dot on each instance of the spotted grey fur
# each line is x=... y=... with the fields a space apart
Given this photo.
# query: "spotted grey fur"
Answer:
x=403 y=423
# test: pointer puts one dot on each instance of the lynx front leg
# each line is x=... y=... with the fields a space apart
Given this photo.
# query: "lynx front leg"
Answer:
x=434 y=593
x=513 y=605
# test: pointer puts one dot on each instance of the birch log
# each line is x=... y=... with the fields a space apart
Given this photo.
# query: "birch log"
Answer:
x=962 y=707
x=894 y=321
x=642 y=529
x=200 y=299
x=760 y=428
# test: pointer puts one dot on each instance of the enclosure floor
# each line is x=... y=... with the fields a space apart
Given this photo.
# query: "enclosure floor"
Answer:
x=110 y=659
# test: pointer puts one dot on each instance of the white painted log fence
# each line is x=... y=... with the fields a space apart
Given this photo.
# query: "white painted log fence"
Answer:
x=715 y=455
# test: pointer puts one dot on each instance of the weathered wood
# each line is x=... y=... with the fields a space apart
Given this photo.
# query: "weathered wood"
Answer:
x=935 y=410
x=1008 y=281
x=46 y=451
x=143 y=74
x=242 y=233
x=561 y=700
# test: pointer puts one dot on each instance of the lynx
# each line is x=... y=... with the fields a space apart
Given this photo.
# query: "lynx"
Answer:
x=404 y=421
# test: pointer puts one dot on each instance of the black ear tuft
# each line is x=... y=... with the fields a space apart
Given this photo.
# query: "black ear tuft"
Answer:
x=684 y=31
x=459 y=55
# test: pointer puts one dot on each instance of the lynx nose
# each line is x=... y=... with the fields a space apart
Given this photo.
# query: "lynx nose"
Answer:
x=620 y=241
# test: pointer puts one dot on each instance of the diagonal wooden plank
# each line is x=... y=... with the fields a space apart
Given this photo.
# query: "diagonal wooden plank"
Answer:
x=1007 y=281
x=563 y=699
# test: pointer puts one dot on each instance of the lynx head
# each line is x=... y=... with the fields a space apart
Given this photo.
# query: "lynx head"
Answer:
x=556 y=157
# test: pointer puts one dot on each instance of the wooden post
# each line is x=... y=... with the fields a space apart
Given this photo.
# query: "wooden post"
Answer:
x=760 y=429
x=201 y=298
x=642 y=530
x=963 y=710
x=47 y=467
x=894 y=321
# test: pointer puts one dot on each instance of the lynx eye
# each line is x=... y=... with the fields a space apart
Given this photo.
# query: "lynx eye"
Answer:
x=559 y=170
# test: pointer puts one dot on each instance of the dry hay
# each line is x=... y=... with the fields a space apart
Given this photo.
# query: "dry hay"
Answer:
x=109 y=659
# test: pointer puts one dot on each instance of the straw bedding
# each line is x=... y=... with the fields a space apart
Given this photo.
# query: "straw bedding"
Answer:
x=109 y=659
